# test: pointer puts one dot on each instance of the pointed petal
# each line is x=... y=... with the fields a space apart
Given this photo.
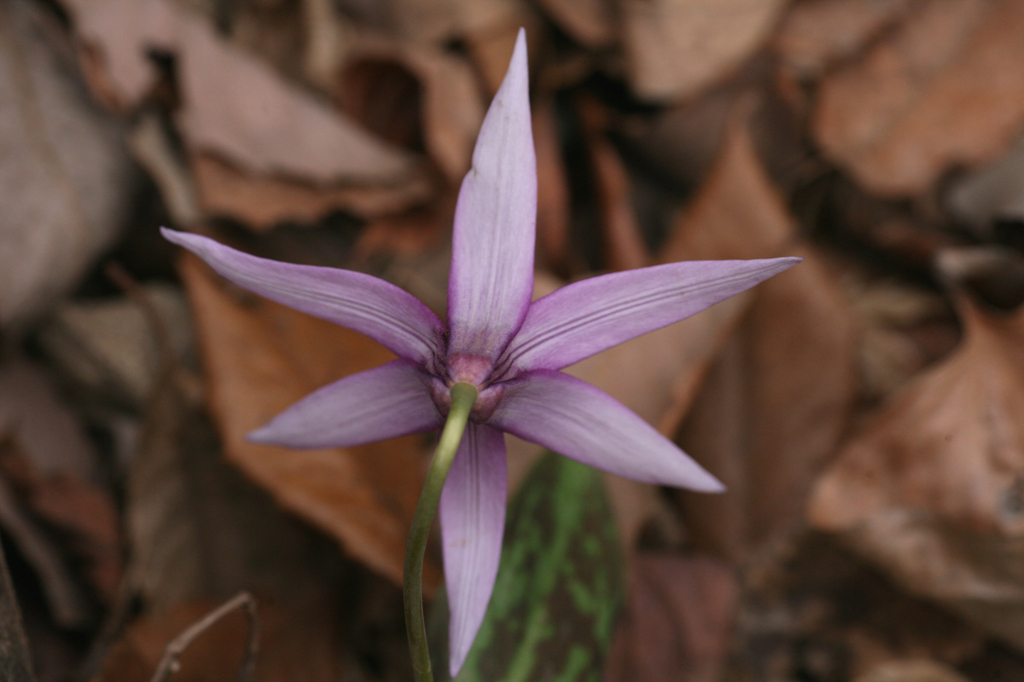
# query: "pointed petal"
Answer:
x=592 y=315
x=384 y=402
x=472 y=527
x=574 y=419
x=492 y=244
x=355 y=300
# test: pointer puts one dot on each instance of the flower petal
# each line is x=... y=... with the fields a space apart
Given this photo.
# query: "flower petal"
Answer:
x=574 y=419
x=384 y=402
x=589 y=316
x=368 y=305
x=472 y=527
x=495 y=223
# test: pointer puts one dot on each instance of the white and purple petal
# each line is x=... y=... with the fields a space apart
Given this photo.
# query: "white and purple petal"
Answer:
x=572 y=418
x=495 y=223
x=592 y=315
x=472 y=526
x=371 y=306
x=384 y=402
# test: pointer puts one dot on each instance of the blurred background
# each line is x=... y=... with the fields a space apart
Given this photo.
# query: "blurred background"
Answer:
x=865 y=409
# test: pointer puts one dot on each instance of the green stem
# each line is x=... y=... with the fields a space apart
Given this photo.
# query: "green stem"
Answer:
x=463 y=397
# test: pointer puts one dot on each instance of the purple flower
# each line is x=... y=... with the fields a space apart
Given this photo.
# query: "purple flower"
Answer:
x=496 y=339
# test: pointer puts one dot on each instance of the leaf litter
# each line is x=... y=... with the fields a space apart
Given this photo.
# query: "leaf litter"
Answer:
x=856 y=543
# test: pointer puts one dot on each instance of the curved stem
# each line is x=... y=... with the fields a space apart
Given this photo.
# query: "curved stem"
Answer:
x=463 y=397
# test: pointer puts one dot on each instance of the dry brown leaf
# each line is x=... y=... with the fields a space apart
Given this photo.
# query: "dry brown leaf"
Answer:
x=291 y=646
x=65 y=599
x=443 y=99
x=234 y=104
x=772 y=413
x=238 y=107
x=50 y=465
x=260 y=358
x=802 y=382
x=932 y=489
x=944 y=89
x=816 y=33
x=261 y=202
x=769 y=418
x=107 y=348
x=681 y=144
x=83 y=513
x=591 y=22
x=409 y=234
x=678 y=621
x=552 y=189
x=676 y=47
x=737 y=215
x=491 y=48
x=65 y=178
x=117 y=35
x=624 y=247
x=50 y=472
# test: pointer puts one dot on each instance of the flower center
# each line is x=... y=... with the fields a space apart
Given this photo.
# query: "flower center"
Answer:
x=468 y=369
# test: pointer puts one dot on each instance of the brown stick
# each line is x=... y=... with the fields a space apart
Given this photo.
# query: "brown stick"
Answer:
x=169 y=663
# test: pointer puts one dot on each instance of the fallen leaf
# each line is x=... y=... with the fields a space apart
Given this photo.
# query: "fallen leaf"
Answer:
x=260 y=358
x=64 y=170
x=236 y=106
x=942 y=90
x=552 y=189
x=815 y=34
x=737 y=214
x=441 y=105
x=490 y=46
x=591 y=22
x=262 y=202
x=674 y=48
x=51 y=473
x=931 y=489
x=812 y=608
x=775 y=409
x=411 y=233
x=677 y=623
x=624 y=247
x=903 y=329
x=106 y=347
x=66 y=601
x=54 y=496
x=83 y=515
x=117 y=35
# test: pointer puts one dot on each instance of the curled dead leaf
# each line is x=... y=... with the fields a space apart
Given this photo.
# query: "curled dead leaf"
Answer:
x=944 y=89
x=931 y=489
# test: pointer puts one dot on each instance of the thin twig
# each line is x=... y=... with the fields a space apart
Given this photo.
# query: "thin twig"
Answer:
x=169 y=663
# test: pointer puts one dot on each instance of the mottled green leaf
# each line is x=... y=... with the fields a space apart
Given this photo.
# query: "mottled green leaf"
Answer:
x=560 y=584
